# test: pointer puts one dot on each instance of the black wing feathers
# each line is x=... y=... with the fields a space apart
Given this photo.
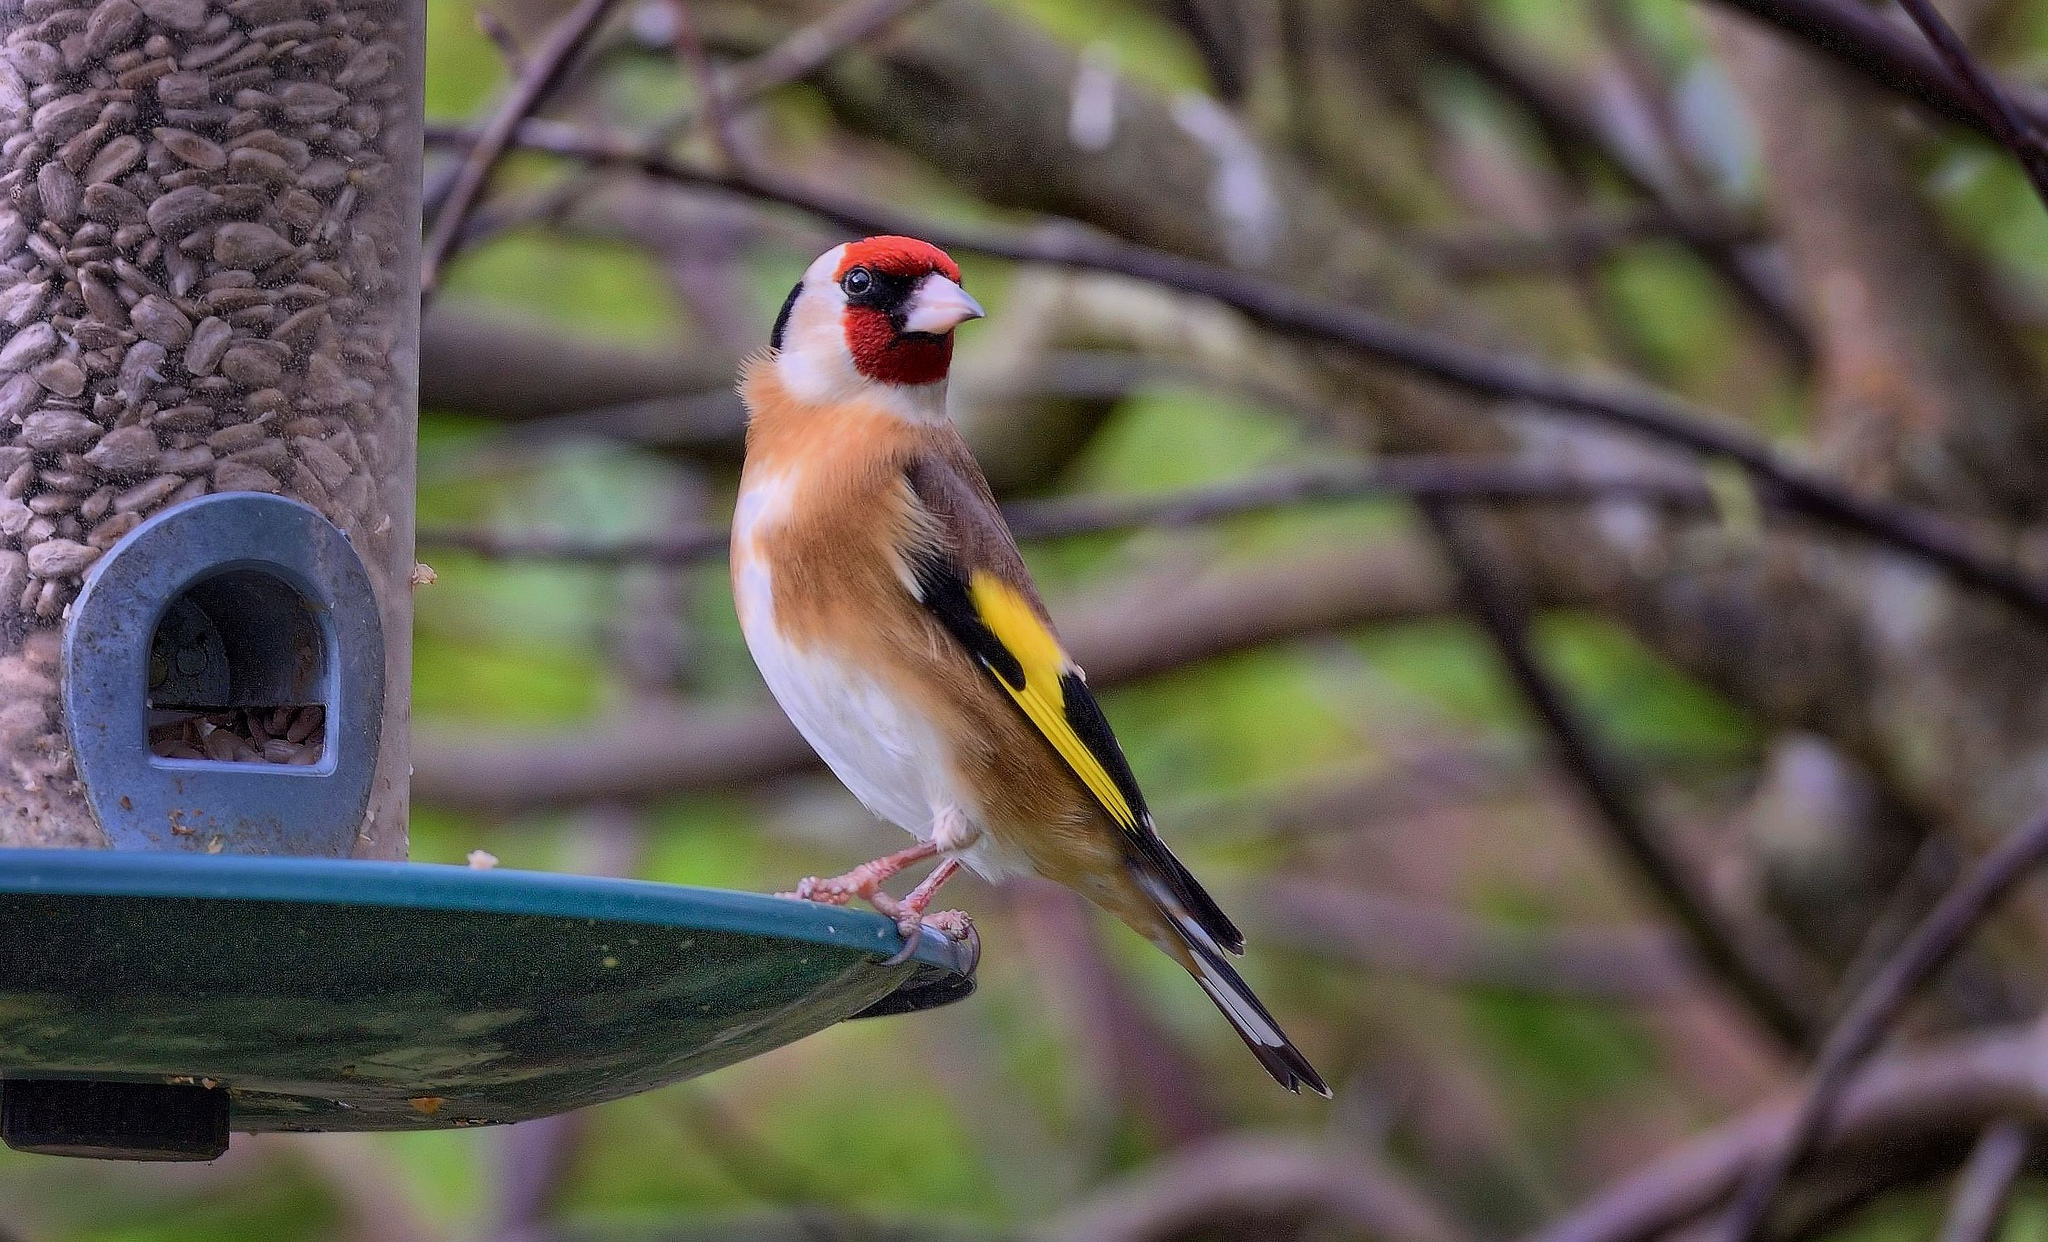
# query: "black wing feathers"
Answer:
x=1085 y=714
x=943 y=590
x=940 y=569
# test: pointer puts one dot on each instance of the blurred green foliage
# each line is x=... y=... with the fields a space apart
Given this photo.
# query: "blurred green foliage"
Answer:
x=970 y=1112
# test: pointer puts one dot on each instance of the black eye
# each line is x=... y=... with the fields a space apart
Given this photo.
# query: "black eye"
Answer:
x=857 y=281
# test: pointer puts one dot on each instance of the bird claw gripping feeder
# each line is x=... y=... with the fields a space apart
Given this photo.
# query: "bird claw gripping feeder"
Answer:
x=208 y=334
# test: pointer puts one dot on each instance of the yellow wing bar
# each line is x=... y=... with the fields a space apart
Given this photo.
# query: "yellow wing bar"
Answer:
x=1015 y=624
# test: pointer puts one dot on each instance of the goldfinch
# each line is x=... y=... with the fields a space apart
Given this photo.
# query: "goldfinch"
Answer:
x=884 y=600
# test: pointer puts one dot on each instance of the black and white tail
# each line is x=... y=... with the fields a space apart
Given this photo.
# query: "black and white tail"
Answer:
x=1253 y=1023
x=1248 y=1017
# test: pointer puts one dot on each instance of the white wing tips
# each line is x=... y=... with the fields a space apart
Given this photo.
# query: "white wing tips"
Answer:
x=1250 y=1023
x=1234 y=998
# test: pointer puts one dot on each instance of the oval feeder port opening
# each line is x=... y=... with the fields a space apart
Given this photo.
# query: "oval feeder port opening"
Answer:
x=224 y=682
x=237 y=674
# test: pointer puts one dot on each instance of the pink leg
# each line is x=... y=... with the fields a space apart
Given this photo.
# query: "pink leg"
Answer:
x=913 y=905
x=909 y=913
x=864 y=881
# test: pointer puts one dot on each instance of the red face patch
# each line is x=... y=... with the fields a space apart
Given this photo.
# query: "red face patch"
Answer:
x=883 y=354
x=881 y=351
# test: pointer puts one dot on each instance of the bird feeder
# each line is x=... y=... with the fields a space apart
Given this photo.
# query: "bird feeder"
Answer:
x=208 y=341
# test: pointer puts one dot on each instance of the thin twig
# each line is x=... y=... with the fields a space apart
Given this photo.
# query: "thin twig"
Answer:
x=1877 y=1006
x=1861 y=38
x=1765 y=980
x=2012 y=130
x=690 y=49
x=1572 y=135
x=1383 y=932
x=1475 y=254
x=1985 y=1185
x=502 y=38
x=1238 y=1176
x=810 y=48
x=762 y=1169
x=533 y=1162
x=1475 y=370
x=806 y=50
x=1412 y=478
x=541 y=73
x=675 y=547
x=1129 y=1065
x=1900 y=1103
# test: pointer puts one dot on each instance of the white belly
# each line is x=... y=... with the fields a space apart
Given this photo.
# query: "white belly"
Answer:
x=885 y=751
x=879 y=750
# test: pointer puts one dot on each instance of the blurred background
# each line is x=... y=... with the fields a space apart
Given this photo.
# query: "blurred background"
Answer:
x=1532 y=984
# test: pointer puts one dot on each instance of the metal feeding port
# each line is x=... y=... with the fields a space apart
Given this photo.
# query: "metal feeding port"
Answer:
x=224 y=682
x=237 y=674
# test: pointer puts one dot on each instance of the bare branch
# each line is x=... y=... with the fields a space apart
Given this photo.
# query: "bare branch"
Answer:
x=673 y=547
x=517 y=367
x=533 y=1160
x=1414 y=478
x=1477 y=254
x=503 y=39
x=1471 y=369
x=1922 y=396
x=758 y=1167
x=1129 y=1063
x=1383 y=932
x=808 y=48
x=663 y=746
x=1978 y=1208
x=1573 y=136
x=1769 y=980
x=369 y=1188
x=683 y=401
x=722 y=97
x=2015 y=132
x=689 y=45
x=1238 y=1178
x=1900 y=1103
x=541 y=73
x=1348 y=802
x=1938 y=936
x=794 y=1224
x=1862 y=39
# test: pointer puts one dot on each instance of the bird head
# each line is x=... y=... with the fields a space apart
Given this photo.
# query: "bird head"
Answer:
x=878 y=312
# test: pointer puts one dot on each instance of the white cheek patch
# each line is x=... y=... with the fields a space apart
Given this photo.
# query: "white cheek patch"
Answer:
x=816 y=367
x=814 y=363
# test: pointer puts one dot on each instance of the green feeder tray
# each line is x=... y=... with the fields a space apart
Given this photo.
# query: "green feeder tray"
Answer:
x=150 y=1002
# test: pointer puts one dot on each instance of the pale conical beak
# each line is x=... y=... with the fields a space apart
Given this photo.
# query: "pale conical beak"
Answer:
x=939 y=306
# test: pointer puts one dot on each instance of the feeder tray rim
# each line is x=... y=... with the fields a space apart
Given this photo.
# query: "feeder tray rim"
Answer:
x=442 y=886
